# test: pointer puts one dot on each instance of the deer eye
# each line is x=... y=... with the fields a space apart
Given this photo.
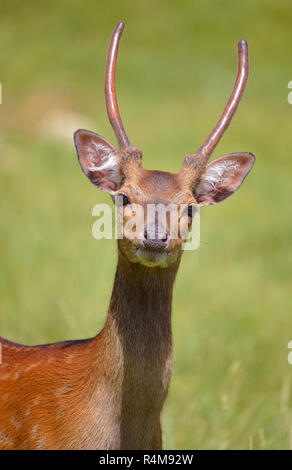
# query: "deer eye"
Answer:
x=125 y=199
x=190 y=211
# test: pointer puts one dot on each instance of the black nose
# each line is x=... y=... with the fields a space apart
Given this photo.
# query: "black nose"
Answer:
x=155 y=237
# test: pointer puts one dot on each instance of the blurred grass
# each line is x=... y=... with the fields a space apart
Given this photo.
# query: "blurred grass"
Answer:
x=232 y=305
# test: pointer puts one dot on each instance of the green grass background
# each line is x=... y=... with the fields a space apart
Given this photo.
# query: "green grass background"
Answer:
x=231 y=387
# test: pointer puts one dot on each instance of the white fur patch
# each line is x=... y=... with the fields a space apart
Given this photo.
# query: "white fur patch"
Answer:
x=41 y=445
x=151 y=259
x=16 y=422
x=108 y=160
x=37 y=400
x=5 y=439
x=35 y=431
x=31 y=366
x=218 y=173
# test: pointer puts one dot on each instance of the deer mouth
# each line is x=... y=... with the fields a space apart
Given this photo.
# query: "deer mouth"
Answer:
x=152 y=257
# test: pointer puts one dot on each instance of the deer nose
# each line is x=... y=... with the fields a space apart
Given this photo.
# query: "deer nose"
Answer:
x=155 y=237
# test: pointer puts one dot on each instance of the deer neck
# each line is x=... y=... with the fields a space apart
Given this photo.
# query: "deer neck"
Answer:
x=137 y=339
x=140 y=309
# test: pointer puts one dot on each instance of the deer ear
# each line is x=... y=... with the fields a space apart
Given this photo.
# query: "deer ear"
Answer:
x=98 y=159
x=223 y=176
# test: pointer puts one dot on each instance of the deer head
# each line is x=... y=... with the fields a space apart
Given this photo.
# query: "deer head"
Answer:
x=198 y=183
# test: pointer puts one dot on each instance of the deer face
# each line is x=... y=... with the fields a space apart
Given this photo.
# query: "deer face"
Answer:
x=157 y=206
x=164 y=214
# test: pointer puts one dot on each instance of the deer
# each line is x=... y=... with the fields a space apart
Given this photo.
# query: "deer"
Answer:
x=107 y=391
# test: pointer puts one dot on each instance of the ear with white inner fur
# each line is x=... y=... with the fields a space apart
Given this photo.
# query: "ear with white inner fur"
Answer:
x=98 y=159
x=223 y=176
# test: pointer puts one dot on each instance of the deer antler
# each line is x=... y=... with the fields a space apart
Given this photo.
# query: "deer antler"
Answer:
x=110 y=87
x=199 y=159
